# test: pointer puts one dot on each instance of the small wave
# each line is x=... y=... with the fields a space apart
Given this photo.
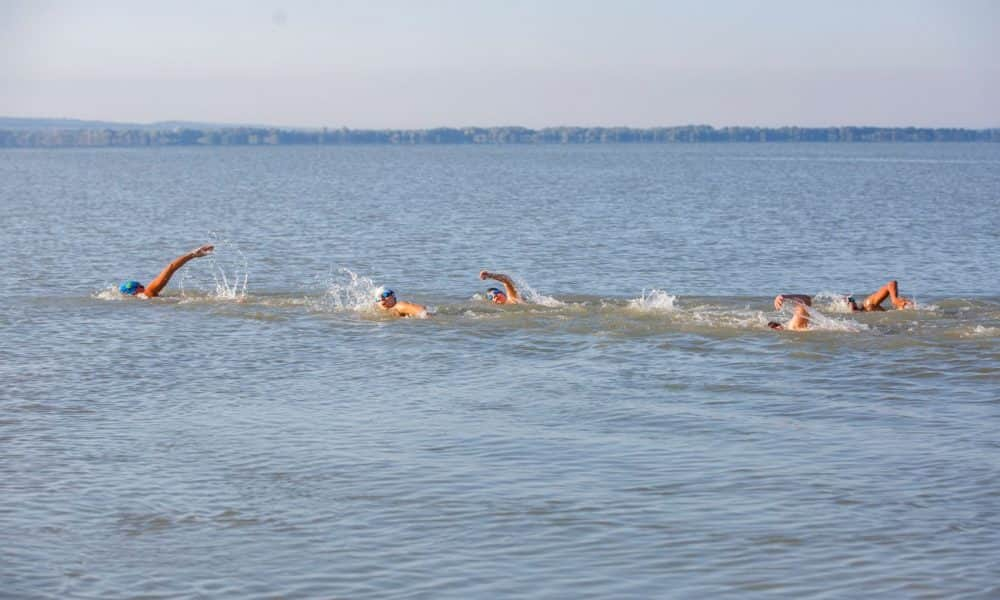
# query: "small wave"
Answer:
x=110 y=293
x=729 y=319
x=208 y=298
x=654 y=301
x=983 y=331
x=284 y=301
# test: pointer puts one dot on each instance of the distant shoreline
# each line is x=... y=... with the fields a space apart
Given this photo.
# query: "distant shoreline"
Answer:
x=21 y=133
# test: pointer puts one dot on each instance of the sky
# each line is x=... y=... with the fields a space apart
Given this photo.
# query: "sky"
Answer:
x=455 y=63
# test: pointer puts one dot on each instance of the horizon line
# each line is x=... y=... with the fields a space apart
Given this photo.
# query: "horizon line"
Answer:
x=206 y=124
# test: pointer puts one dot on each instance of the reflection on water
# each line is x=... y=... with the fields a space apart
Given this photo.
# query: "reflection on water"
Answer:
x=635 y=427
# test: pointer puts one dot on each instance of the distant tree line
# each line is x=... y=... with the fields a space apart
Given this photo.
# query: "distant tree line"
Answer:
x=248 y=136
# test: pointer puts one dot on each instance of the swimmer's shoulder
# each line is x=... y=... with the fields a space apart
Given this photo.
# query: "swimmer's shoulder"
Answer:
x=410 y=309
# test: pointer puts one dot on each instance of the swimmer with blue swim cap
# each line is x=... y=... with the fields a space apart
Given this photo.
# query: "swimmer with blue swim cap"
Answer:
x=130 y=288
x=134 y=288
x=509 y=293
x=387 y=301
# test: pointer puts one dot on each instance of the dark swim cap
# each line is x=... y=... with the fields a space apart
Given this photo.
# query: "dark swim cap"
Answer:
x=386 y=294
x=129 y=288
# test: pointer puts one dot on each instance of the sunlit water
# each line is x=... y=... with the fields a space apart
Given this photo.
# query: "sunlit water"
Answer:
x=634 y=430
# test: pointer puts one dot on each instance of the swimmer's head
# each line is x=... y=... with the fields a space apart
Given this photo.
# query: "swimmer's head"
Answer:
x=775 y=325
x=387 y=299
x=131 y=288
x=496 y=296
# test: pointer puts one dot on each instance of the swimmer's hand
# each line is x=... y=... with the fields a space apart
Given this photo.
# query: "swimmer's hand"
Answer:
x=202 y=251
x=780 y=300
x=485 y=275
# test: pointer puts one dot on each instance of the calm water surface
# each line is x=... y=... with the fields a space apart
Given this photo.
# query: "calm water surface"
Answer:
x=635 y=430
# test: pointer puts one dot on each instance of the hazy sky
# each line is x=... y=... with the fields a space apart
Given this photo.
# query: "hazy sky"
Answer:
x=426 y=63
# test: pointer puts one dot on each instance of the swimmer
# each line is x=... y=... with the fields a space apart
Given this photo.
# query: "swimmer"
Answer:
x=134 y=288
x=873 y=303
x=800 y=317
x=509 y=296
x=387 y=302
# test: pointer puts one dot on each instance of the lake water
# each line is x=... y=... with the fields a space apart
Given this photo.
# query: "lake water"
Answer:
x=634 y=430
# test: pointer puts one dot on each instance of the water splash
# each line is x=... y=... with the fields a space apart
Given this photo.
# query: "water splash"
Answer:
x=230 y=269
x=654 y=301
x=531 y=296
x=348 y=291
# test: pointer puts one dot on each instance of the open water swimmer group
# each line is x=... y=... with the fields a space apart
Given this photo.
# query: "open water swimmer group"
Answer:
x=388 y=303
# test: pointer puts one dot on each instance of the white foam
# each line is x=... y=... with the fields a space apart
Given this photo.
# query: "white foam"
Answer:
x=654 y=301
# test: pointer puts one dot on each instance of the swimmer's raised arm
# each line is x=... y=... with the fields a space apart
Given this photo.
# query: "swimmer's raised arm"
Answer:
x=512 y=295
x=780 y=299
x=156 y=286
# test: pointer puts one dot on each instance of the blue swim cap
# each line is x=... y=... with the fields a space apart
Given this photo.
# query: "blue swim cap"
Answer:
x=386 y=294
x=129 y=288
x=493 y=292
